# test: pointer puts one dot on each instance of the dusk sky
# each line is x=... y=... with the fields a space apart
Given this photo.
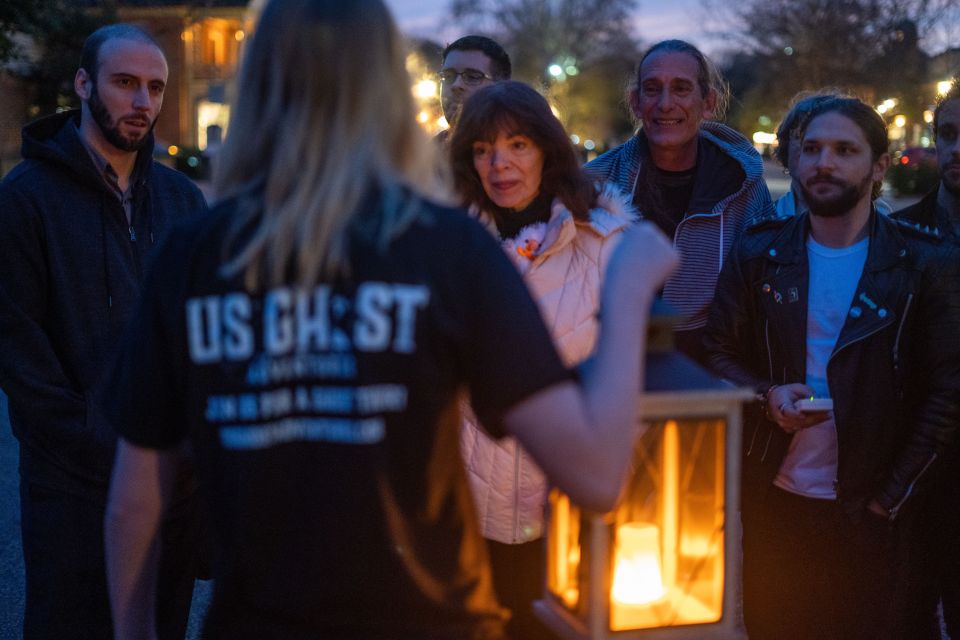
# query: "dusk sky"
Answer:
x=656 y=20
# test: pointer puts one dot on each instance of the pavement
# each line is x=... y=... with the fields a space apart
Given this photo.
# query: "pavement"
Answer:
x=11 y=558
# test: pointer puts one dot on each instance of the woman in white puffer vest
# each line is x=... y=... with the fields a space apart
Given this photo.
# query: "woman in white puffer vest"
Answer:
x=518 y=172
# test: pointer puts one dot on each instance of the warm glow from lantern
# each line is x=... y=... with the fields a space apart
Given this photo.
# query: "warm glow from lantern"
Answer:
x=637 y=578
x=695 y=547
x=667 y=567
x=656 y=566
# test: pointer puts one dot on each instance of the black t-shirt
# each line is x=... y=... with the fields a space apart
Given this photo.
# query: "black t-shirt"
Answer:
x=325 y=428
x=674 y=189
x=667 y=197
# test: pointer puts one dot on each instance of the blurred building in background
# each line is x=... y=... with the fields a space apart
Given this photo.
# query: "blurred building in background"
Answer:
x=203 y=41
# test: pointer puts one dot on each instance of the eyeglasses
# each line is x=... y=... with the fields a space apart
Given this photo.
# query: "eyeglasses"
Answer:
x=471 y=77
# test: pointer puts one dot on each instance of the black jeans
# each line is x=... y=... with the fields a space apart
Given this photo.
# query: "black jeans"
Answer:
x=936 y=575
x=811 y=572
x=66 y=583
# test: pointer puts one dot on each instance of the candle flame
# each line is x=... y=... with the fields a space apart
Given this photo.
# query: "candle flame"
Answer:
x=637 y=580
x=637 y=576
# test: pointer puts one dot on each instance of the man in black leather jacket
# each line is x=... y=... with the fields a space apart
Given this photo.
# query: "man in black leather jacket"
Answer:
x=937 y=572
x=838 y=303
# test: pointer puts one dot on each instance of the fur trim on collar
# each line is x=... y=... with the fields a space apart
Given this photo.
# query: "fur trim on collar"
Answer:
x=614 y=210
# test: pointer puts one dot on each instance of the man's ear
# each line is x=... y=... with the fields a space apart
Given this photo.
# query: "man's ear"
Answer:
x=880 y=167
x=82 y=84
x=633 y=99
x=710 y=105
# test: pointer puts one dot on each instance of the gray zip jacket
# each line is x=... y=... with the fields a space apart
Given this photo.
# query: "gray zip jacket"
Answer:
x=703 y=237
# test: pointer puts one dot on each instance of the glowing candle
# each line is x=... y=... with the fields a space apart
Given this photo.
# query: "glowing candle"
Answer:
x=637 y=577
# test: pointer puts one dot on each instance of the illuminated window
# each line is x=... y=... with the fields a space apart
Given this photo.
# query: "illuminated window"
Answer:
x=211 y=116
x=219 y=42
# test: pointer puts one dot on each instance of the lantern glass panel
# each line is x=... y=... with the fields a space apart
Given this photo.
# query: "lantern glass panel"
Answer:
x=563 y=550
x=668 y=529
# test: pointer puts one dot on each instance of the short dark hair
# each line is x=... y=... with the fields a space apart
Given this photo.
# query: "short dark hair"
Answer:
x=90 y=55
x=500 y=61
x=709 y=78
x=952 y=94
x=517 y=108
x=800 y=107
x=864 y=116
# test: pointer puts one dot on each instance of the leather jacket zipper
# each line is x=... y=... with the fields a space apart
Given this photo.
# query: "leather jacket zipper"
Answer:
x=766 y=447
x=896 y=508
x=753 y=438
x=766 y=337
x=756 y=430
x=759 y=422
x=896 y=368
x=896 y=344
x=860 y=339
x=835 y=420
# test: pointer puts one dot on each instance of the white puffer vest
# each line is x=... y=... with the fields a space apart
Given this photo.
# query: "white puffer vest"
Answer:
x=564 y=274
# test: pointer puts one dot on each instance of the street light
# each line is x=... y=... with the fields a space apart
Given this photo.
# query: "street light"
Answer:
x=425 y=89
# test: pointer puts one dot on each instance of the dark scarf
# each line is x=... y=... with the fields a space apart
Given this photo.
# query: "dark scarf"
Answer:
x=510 y=222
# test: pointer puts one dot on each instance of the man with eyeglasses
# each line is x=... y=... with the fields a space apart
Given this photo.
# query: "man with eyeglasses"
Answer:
x=468 y=64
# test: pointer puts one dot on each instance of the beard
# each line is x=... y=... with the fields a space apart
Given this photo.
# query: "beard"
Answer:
x=950 y=182
x=839 y=204
x=111 y=129
x=451 y=111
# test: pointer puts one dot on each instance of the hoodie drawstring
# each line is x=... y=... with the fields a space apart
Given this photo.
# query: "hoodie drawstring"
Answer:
x=720 y=265
x=106 y=261
x=148 y=211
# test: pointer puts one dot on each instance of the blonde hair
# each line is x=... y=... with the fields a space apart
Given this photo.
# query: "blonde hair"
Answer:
x=323 y=115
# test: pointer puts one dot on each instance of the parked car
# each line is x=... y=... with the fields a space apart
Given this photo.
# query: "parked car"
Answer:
x=913 y=170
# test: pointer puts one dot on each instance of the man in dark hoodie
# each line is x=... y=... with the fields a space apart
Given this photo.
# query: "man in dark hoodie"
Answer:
x=79 y=218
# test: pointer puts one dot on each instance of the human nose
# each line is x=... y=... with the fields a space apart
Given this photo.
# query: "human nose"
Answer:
x=141 y=99
x=824 y=159
x=955 y=148
x=498 y=158
x=664 y=99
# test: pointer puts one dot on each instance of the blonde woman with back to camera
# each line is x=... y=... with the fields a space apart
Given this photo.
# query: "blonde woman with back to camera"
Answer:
x=309 y=341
